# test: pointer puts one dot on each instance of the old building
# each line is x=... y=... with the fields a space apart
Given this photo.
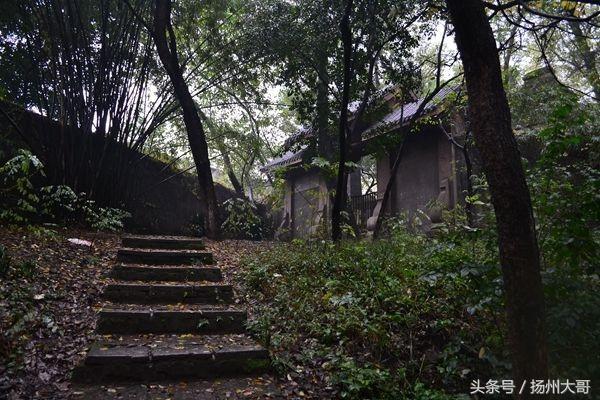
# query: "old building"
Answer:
x=429 y=178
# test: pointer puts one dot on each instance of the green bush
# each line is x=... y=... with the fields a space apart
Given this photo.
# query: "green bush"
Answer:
x=24 y=203
x=243 y=221
x=26 y=269
x=362 y=382
x=101 y=218
x=412 y=315
x=382 y=314
x=20 y=198
x=565 y=189
x=19 y=315
x=565 y=185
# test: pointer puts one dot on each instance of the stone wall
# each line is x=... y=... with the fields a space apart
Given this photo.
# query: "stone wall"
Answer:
x=161 y=199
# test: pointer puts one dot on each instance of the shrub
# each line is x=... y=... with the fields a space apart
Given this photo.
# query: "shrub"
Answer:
x=243 y=221
x=26 y=269
x=412 y=308
x=24 y=203
x=102 y=218
x=382 y=314
x=58 y=202
x=565 y=184
x=196 y=225
x=20 y=198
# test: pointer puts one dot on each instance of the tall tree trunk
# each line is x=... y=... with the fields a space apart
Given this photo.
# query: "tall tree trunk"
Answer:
x=340 y=191
x=235 y=182
x=469 y=170
x=166 y=45
x=403 y=131
x=217 y=136
x=587 y=57
x=491 y=125
x=325 y=148
x=324 y=142
x=509 y=51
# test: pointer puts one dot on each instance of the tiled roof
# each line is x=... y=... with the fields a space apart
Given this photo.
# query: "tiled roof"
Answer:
x=392 y=120
x=287 y=159
x=302 y=133
x=403 y=114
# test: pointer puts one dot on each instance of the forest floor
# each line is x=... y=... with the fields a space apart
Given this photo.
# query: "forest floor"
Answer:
x=49 y=295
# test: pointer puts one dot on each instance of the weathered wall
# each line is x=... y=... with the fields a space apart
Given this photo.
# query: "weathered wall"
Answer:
x=428 y=173
x=417 y=177
x=159 y=201
x=306 y=201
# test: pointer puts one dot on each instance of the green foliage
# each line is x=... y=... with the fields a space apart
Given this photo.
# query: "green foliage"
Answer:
x=24 y=202
x=196 y=225
x=20 y=301
x=430 y=309
x=422 y=392
x=21 y=199
x=243 y=221
x=360 y=382
x=313 y=27
x=565 y=188
x=105 y=218
x=26 y=268
x=383 y=315
x=328 y=168
x=58 y=202
x=276 y=196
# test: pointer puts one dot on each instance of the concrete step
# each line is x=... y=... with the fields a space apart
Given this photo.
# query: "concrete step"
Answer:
x=168 y=294
x=208 y=321
x=164 y=359
x=166 y=257
x=162 y=242
x=149 y=273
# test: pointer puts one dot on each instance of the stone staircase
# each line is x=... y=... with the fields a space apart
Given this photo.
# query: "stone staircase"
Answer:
x=166 y=316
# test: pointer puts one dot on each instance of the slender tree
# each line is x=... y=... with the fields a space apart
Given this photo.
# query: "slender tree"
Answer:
x=166 y=46
x=490 y=118
x=379 y=37
x=340 y=198
x=218 y=138
x=404 y=130
x=587 y=55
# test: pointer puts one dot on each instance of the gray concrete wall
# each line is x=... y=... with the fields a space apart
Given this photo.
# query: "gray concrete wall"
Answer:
x=427 y=177
x=417 y=177
x=160 y=199
x=305 y=203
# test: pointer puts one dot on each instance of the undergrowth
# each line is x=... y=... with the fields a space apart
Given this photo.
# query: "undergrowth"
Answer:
x=388 y=319
x=23 y=201
x=411 y=316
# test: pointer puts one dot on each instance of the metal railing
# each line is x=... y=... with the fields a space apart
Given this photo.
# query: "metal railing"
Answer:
x=362 y=207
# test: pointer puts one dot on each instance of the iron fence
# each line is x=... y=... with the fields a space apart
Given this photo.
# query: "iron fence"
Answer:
x=362 y=207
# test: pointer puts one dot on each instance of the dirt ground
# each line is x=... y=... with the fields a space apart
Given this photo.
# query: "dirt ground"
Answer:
x=49 y=295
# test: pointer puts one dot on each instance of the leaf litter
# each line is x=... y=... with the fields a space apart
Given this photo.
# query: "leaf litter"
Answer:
x=47 y=320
